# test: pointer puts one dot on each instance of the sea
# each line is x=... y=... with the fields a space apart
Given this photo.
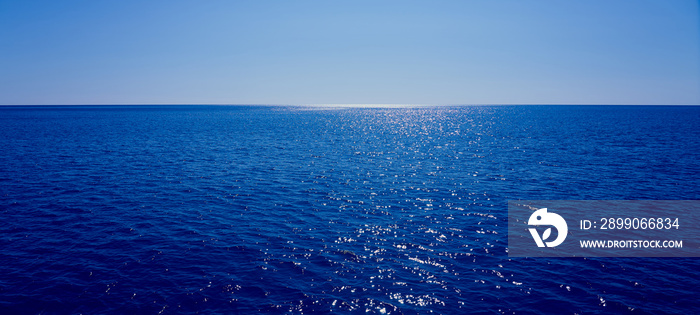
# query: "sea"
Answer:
x=291 y=209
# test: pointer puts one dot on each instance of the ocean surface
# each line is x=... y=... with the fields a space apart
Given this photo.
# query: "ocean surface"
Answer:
x=274 y=209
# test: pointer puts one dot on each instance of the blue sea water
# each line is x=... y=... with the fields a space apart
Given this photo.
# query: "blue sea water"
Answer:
x=235 y=209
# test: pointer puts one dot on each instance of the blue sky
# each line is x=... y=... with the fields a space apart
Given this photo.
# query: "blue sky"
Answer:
x=349 y=52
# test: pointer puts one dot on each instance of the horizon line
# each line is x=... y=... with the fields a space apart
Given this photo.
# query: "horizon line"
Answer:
x=348 y=105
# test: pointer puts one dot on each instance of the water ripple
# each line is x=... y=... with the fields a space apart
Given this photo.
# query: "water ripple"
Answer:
x=283 y=209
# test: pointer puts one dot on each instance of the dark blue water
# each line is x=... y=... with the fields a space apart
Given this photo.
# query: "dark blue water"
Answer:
x=184 y=209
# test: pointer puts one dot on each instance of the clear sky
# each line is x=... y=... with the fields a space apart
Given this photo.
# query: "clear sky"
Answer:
x=340 y=52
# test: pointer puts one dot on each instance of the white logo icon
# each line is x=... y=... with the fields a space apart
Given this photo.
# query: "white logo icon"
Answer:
x=542 y=217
